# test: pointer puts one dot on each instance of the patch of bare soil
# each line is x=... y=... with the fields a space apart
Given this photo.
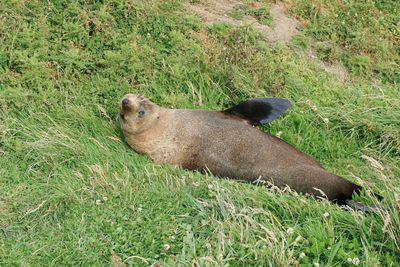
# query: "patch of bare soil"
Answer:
x=116 y=260
x=283 y=28
x=335 y=68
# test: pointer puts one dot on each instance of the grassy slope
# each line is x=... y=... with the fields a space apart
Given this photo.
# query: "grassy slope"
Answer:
x=73 y=193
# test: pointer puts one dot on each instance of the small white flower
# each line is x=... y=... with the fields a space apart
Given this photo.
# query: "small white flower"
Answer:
x=208 y=245
x=316 y=264
x=196 y=184
x=167 y=247
x=139 y=209
x=329 y=248
x=290 y=231
x=98 y=201
x=278 y=134
x=349 y=259
x=326 y=120
x=356 y=261
x=210 y=186
x=326 y=214
x=105 y=198
x=302 y=255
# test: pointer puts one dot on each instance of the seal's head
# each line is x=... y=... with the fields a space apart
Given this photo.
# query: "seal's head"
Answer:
x=137 y=114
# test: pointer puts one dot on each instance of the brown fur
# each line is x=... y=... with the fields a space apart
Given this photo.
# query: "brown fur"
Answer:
x=226 y=146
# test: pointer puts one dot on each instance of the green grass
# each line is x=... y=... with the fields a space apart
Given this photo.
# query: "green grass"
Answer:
x=364 y=35
x=259 y=11
x=73 y=193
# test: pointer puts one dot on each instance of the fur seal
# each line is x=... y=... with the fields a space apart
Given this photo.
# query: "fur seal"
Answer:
x=226 y=144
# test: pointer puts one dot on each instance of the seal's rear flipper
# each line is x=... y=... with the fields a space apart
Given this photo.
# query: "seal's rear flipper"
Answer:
x=260 y=110
x=346 y=200
x=367 y=208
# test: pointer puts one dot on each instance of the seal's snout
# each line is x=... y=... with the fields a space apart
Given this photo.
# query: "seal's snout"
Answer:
x=125 y=101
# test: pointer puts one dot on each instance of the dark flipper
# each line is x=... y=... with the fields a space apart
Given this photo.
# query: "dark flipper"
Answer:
x=260 y=110
x=347 y=201
x=367 y=208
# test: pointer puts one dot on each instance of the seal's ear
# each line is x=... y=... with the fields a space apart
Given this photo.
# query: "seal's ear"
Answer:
x=260 y=110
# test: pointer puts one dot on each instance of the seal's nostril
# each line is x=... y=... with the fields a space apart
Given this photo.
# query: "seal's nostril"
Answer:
x=125 y=101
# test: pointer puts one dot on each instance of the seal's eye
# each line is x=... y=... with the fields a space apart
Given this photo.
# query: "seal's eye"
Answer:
x=141 y=114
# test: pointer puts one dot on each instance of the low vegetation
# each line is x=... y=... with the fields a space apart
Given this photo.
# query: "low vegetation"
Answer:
x=73 y=193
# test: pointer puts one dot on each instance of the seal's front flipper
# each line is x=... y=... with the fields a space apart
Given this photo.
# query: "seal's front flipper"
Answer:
x=260 y=110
